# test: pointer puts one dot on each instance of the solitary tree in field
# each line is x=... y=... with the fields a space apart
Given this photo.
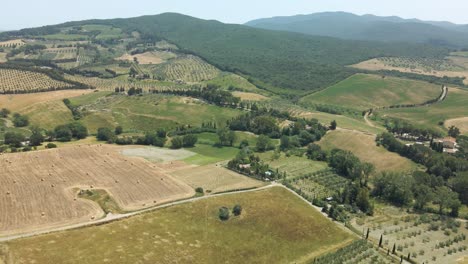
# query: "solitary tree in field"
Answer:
x=333 y=125
x=380 y=241
x=394 y=248
x=367 y=234
x=237 y=210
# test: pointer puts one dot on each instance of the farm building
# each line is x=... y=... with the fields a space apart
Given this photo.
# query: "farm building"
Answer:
x=449 y=143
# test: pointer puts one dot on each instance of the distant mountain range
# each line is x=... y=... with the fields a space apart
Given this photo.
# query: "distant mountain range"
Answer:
x=369 y=27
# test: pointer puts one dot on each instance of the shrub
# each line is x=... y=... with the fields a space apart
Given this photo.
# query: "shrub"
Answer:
x=118 y=130
x=223 y=213
x=237 y=210
x=51 y=145
x=199 y=190
x=105 y=134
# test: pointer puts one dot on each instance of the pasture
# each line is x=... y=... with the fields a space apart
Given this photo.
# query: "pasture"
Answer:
x=214 y=178
x=365 y=91
x=150 y=112
x=275 y=227
x=454 y=106
x=364 y=147
x=38 y=188
x=27 y=81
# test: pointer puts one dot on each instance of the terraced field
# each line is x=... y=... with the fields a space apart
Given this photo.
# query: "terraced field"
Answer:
x=38 y=188
x=191 y=233
x=364 y=91
x=25 y=81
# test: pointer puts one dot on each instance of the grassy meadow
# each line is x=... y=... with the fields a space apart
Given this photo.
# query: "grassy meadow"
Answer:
x=294 y=166
x=364 y=91
x=275 y=226
x=364 y=147
x=454 y=106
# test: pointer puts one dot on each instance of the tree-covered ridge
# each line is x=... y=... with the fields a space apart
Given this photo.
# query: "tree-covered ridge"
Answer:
x=270 y=59
x=368 y=27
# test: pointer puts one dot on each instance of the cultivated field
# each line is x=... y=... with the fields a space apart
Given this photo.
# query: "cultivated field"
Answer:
x=18 y=102
x=155 y=154
x=364 y=146
x=214 y=179
x=153 y=57
x=250 y=96
x=454 y=66
x=3 y=57
x=25 y=81
x=37 y=187
x=188 y=69
x=454 y=106
x=11 y=43
x=319 y=184
x=364 y=91
x=193 y=233
x=294 y=166
x=427 y=238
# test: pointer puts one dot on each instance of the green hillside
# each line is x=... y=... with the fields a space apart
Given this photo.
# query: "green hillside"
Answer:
x=293 y=62
x=364 y=91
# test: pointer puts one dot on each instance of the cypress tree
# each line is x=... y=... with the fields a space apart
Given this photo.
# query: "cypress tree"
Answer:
x=394 y=248
x=380 y=241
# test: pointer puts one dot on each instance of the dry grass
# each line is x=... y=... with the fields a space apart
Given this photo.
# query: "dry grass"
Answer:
x=18 y=102
x=214 y=178
x=275 y=227
x=3 y=57
x=250 y=96
x=461 y=123
x=154 y=57
x=364 y=146
x=37 y=187
x=376 y=65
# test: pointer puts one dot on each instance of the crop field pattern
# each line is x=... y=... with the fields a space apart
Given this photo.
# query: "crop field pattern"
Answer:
x=320 y=184
x=25 y=81
x=426 y=238
x=190 y=69
x=191 y=233
x=36 y=188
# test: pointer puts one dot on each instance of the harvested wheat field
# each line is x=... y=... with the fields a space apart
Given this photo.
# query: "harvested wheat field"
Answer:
x=16 y=102
x=36 y=187
x=250 y=96
x=215 y=179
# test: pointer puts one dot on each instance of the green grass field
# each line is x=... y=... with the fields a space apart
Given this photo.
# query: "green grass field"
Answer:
x=149 y=112
x=454 y=106
x=208 y=154
x=294 y=166
x=364 y=91
x=275 y=227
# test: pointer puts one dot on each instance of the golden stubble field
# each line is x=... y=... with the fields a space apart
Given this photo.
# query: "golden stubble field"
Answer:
x=38 y=189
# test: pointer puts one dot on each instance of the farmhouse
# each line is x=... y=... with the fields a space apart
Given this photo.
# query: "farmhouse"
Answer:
x=449 y=144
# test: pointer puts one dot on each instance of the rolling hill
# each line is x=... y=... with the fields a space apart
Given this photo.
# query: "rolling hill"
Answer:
x=282 y=62
x=369 y=27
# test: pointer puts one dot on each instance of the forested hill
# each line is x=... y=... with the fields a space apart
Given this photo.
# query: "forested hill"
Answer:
x=281 y=61
x=369 y=27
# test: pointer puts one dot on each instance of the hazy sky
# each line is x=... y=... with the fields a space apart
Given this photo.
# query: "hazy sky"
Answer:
x=32 y=13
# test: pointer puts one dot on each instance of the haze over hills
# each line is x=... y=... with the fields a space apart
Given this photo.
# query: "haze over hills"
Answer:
x=271 y=59
x=370 y=27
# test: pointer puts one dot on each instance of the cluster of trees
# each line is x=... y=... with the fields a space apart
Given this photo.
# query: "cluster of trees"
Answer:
x=27 y=49
x=301 y=133
x=67 y=132
x=401 y=127
x=186 y=141
x=256 y=123
x=247 y=163
x=211 y=93
x=77 y=115
x=20 y=120
x=436 y=163
x=224 y=213
x=419 y=189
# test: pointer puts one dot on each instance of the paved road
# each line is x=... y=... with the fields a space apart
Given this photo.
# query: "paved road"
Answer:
x=114 y=217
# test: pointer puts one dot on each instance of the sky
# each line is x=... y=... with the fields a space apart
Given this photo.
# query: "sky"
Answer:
x=33 y=13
